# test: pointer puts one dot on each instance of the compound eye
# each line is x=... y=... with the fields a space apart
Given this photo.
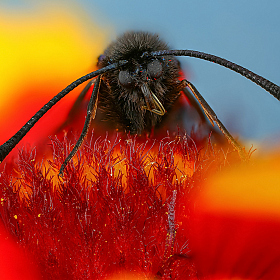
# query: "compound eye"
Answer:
x=101 y=58
x=154 y=69
x=125 y=79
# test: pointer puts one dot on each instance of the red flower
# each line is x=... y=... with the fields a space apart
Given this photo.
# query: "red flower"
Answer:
x=121 y=206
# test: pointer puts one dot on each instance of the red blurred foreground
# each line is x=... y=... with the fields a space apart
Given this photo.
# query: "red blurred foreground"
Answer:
x=236 y=223
x=14 y=263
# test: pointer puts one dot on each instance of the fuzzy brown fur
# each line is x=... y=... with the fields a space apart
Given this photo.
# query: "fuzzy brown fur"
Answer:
x=123 y=106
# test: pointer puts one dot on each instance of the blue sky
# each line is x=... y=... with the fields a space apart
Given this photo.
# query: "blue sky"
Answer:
x=245 y=32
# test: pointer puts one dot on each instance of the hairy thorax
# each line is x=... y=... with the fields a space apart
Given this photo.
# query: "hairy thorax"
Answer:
x=128 y=95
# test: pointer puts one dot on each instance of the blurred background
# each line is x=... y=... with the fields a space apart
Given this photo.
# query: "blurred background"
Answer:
x=69 y=36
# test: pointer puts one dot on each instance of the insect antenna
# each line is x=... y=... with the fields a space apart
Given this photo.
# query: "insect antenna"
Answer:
x=6 y=148
x=272 y=88
x=91 y=111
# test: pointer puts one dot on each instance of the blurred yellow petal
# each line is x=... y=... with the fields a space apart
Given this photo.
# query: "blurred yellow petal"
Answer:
x=251 y=190
x=43 y=48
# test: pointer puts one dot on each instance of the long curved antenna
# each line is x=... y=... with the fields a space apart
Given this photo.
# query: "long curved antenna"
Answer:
x=272 y=88
x=6 y=148
x=211 y=115
x=91 y=111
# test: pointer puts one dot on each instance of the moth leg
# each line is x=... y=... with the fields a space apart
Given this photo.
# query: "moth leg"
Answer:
x=211 y=115
x=76 y=106
x=194 y=102
x=91 y=111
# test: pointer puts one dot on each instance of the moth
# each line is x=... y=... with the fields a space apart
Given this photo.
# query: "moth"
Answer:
x=136 y=84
